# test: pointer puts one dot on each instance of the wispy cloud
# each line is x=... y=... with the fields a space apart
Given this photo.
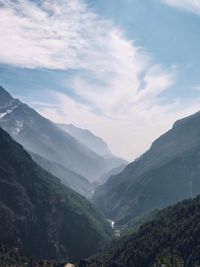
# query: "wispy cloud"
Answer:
x=50 y=35
x=192 y=6
x=117 y=89
x=61 y=35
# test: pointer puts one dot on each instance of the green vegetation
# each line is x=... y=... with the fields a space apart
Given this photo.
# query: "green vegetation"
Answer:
x=168 y=259
x=171 y=239
x=40 y=215
x=12 y=258
x=134 y=225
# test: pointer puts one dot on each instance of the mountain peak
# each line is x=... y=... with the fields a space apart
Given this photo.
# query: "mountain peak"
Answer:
x=5 y=97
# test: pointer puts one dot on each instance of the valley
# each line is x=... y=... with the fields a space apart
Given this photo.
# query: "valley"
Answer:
x=36 y=205
x=99 y=133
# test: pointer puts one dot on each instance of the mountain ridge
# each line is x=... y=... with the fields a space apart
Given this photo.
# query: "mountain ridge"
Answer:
x=41 y=136
x=69 y=178
x=139 y=187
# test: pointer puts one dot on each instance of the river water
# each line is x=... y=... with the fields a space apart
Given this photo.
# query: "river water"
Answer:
x=115 y=228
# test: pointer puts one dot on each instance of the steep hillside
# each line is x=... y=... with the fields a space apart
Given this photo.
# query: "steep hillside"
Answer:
x=39 y=214
x=69 y=178
x=168 y=172
x=112 y=172
x=171 y=239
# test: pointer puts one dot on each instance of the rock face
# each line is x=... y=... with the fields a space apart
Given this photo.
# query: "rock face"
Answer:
x=45 y=138
x=168 y=172
x=40 y=215
x=170 y=239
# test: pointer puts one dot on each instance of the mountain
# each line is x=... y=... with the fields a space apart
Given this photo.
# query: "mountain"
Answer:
x=87 y=138
x=98 y=146
x=69 y=178
x=167 y=173
x=114 y=171
x=170 y=239
x=41 y=216
x=43 y=137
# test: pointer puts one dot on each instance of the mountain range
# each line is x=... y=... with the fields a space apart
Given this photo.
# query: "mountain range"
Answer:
x=47 y=218
x=44 y=138
x=99 y=146
x=40 y=215
x=167 y=173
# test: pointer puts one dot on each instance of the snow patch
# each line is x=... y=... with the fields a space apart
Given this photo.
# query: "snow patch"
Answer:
x=2 y=115
x=18 y=127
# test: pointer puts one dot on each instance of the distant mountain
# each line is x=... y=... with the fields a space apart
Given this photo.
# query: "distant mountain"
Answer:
x=167 y=173
x=43 y=137
x=40 y=215
x=69 y=178
x=114 y=171
x=170 y=239
x=87 y=138
x=97 y=145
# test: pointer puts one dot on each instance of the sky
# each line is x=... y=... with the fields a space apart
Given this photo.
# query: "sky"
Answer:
x=124 y=69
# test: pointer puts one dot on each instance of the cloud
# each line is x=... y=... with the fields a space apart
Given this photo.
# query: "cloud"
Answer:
x=45 y=36
x=192 y=6
x=60 y=35
x=117 y=87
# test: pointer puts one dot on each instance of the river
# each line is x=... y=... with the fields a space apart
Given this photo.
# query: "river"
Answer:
x=115 y=228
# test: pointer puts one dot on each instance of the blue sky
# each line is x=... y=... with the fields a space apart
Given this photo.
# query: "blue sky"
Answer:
x=125 y=69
